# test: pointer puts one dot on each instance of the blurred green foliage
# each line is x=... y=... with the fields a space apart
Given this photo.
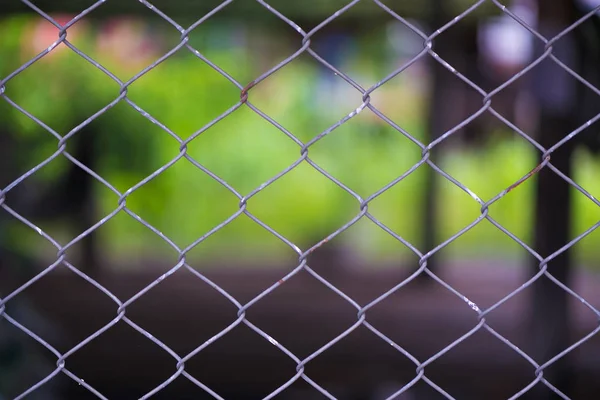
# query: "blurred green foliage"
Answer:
x=184 y=94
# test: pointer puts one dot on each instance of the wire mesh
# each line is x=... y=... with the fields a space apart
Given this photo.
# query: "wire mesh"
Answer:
x=362 y=203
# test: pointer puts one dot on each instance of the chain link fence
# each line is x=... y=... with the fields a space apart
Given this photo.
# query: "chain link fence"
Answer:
x=538 y=368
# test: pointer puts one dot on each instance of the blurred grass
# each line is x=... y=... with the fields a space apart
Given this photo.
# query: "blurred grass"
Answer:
x=184 y=94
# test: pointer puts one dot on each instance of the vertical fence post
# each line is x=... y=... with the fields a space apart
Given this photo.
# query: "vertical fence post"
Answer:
x=435 y=123
x=550 y=316
x=446 y=108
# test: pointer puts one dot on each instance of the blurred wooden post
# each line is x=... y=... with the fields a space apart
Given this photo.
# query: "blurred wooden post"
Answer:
x=6 y=165
x=85 y=213
x=435 y=123
x=13 y=262
x=457 y=46
x=549 y=314
x=550 y=317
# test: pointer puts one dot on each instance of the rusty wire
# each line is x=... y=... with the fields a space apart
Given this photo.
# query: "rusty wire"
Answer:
x=362 y=203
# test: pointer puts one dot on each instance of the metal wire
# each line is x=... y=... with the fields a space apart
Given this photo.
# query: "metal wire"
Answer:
x=362 y=203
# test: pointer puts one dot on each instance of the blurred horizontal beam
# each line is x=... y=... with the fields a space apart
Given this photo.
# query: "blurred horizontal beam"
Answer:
x=313 y=10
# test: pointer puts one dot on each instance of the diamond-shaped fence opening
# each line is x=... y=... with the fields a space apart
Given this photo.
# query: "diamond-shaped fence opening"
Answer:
x=288 y=235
